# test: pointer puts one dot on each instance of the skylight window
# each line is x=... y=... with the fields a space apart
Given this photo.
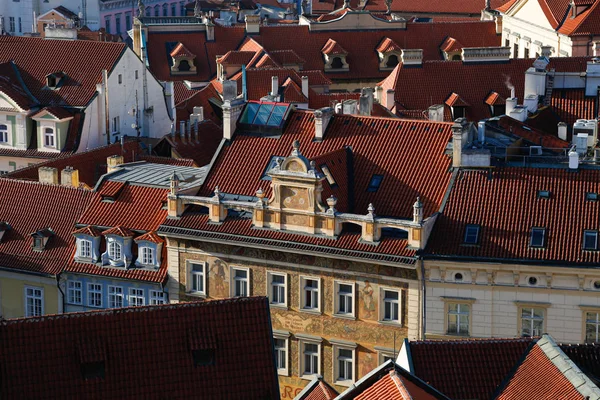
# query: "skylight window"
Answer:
x=375 y=183
x=471 y=234
x=264 y=114
x=590 y=240
x=538 y=236
x=591 y=196
x=328 y=175
x=543 y=194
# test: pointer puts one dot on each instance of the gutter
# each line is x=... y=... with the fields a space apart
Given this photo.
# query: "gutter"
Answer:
x=423 y=301
x=61 y=291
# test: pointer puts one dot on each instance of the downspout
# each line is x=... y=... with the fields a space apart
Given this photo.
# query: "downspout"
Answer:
x=61 y=292
x=106 y=113
x=162 y=285
x=423 y=305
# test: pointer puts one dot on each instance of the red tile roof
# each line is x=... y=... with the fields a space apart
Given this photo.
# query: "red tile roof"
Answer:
x=180 y=162
x=139 y=208
x=90 y=164
x=320 y=100
x=118 y=231
x=332 y=48
x=539 y=378
x=387 y=45
x=286 y=57
x=472 y=7
x=451 y=44
x=9 y=85
x=586 y=357
x=188 y=99
x=454 y=100
x=478 y=198
x=572 y=104
x=292 y=93
x=532 y=135
x=149 y=237
x=44 y=357
x=88 y=230
x=318 y=389
x=466 y=369
x=47 y=206
x=210 y=136
x=181 y=51
x=494 y=99
x=235 y=57
x=81 y=60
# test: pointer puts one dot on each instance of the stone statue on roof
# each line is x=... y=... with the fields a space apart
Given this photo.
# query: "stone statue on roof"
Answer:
x=388 y=5
x=141 y=9
x=304 y=7
x=197 y=9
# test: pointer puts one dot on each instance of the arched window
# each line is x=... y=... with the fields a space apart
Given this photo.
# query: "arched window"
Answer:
x=337 y=63
x=156 y=11
x=49 y=137
x=114 y=251
x=184 y=66
x=3 y=134
x=456 y=57
x=392 y=61
x=165 y=10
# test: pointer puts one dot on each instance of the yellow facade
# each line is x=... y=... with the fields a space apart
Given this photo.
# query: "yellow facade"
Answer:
x=12 y=294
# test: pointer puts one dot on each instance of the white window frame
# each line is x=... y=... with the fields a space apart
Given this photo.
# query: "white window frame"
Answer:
x=36 y=295
x=595 y=323
x=74 y=287
x=282 y=351
x=113 y=246
x=147 y=255
x=233 y=279
x=304 y=340
x=530 y=319
x=302 y=291
x=384 y=352
x=116 y=123
x=134 y=295
x=82 y=248
x=114 y=293
x=193 y=275
x=49 y=137
x=157 y=297
x=270 y=289
x=382 y=302
x=94 y=289
x=349 y=299
x=347 y=346
x=460 y=314
x=4 y=133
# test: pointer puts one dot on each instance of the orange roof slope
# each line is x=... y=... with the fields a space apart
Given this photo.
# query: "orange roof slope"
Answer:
x=81 y=60
x=46 y=206
x=47 y=357
x=469 y=7
x=317 y=389
x=478 y=198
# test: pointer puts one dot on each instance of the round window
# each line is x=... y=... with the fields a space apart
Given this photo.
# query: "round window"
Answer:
x=458 y=276
x=533 y=281
x=596 y=284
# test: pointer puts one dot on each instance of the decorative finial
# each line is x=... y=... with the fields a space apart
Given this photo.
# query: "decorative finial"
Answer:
x=313 y=165
x=418 y=203
x=331 y=202
x=296 y=146
x=371 y=210
x=260 y=194
x=141 y=9
x=217 y=195
x=197 y=10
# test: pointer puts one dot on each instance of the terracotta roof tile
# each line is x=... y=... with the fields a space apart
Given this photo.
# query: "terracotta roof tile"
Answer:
x=494 y=99
x=454 y=100
x=586 y=357
x=451 y=44
x=320 y=390
x=188 y=99
x=466 y=369
x=149 y=237
x=320 y=100
x=235 y=57
x=572 y=104
x=82 y=61
x=431 y=6
x=44 y=357
x=202 y=152
x=292 y=93
x=267 y=62
x=332 y=48
x=181 y=51
x=47 y=206
x=118 y=231
x=532 y=135
x=181 y=162
x=388 y=45
x=88 y=230
x=9 y=85
x=286 y=57
x=477 y=198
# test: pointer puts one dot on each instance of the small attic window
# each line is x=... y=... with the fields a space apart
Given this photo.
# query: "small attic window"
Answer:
x=40 y=238
x=590 y=196
x=543 y=194
x=203 y=357
x=54 y=80
x=538 y=236
x=51 y=81
x=471 y=234
x=328 y=175
x=375 y=183
x=92 y=370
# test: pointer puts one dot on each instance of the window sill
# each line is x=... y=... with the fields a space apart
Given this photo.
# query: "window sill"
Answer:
x=283 y=372
x=345 y=316
x=309 y=377
x=346 y=383
x=391 y=323
x=196 y=294
x=311 y=311
x=279 y=305
x=462 y=335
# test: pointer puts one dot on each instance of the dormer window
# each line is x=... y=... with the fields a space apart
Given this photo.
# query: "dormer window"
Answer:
x=88 y=242
x=149 y=250
x=49 y=139
x=183 y=60
x=4 y=227
x=335 y=57
x=590 y=240
x=389 y=54
x=543 y=194
x=114 y=250
x=375 y=183
x=55 y=80
x=472 y=234
x=591 y=196
x=118 y=247
x=3 y=134
x=40 y=238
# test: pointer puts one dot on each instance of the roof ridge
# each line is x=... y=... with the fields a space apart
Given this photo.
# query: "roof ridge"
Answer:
x=400 y=385
x=35 y=182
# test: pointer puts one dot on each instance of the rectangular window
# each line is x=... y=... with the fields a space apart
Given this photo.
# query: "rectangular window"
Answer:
x=391 y=306
x=115 y=297
x=311 y=359
x=532 y=321
x=48 y=137
x=147 y=255
x=34 y=301
x=118 y=24
x=537 y=237
x=182 y=8
x=310 y=296
x=506 y=42
x=471 y=234
x=136 y=74
x=107 y=24
x=136 y=297
x=11 y=26
x=74 y=292
x=591 y=196
x=458 y=319
x=127 y=21
x=592 y=327
x=277 y=290
x=94 y=295
x=114 y=250
x=120 y=78
x=240 y=282
x=590 y=240
x=516 y=51
x=375 y=183
x=345 y=299
x=20 y=25
x=281 y=355
x=525 y=52
x=157 y=297
x=173 y=9
x=85 y=248
x=345 y=370
x=3 y=133
x=197 y=277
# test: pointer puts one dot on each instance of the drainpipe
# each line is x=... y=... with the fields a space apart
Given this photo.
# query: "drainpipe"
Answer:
x=61 y=292
x=423 y=304
x=162 y=285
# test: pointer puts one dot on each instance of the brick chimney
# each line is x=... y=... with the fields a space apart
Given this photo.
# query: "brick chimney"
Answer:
x=48 y=175
x=459 y=140
x=412 y=57
x=69 y=177
x=113 y=162
x=322 y=118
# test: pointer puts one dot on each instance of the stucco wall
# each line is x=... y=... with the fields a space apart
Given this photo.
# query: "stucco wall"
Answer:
x=12 y=294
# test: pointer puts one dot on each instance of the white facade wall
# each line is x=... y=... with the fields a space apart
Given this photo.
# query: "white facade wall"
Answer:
x=495 y=299
x=122 y=100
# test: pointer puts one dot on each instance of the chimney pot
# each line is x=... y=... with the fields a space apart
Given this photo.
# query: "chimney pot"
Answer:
x=349 y=107
x=229 y=90
x=322 y=118
x=182 y=128
x=274 y=86
x=48 y=175
x=562 y=131
x=69 y=177
x=305 y=86
x=113 y=162
x=436 y=113
x=460 y=130
x=390 y=99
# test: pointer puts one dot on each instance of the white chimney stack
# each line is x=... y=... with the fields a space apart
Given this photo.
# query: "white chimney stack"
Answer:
x=511 y=103
x=436 y=113
x=390 y=99
x=573 y=160
x=531 y=102
x=274 y=86
x=322 y=118
x=562 y=131
x=231 y=112
x=519 y=113
x=305 y=86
